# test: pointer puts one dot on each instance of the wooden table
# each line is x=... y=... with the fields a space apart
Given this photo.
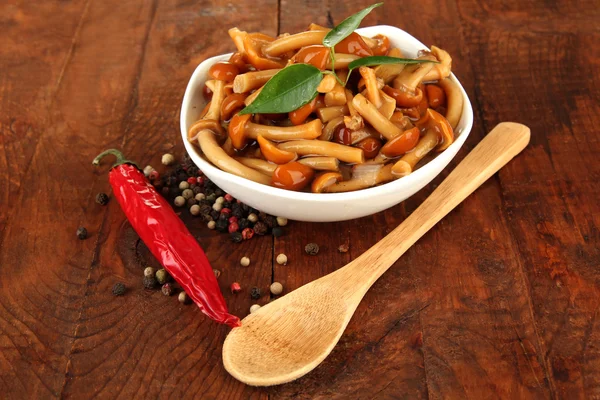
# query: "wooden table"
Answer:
x=500 y=300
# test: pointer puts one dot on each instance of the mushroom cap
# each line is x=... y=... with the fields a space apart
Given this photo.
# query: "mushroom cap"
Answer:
x=324 y=180
x=237 y=130
x=273 y=153
x=202 y=124
x=436 y=121
x=253 y=45
x=404 y=97
x=401 y=144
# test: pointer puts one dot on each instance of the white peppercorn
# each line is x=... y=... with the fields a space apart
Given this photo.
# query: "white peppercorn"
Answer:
x=148 y=271
x=200 y=196
x=184 y=185
x=211 y=224
x=282 y=221
x=252 y=217
x=179 y=201
x=187 y=194
x=254 y=308
x=276 y=288
x=217 y=206
x=281 y=259
x=167 y=159
x=245 y=261
x=183 y=298
x=195 y=209
x=220 y=200
x=148 y=170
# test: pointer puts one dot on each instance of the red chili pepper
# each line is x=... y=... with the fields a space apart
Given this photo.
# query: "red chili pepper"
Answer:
x=167 y=237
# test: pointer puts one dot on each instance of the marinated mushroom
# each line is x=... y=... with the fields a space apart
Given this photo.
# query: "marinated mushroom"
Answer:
x=441 y=70
x=324 y=180
x=274 y=154
x=252 y=80
x=240 y=129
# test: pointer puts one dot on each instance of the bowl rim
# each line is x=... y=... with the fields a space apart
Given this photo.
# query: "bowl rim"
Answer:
x=412 y=179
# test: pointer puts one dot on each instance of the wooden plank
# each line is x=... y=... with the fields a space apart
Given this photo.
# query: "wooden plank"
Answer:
x=551 y=195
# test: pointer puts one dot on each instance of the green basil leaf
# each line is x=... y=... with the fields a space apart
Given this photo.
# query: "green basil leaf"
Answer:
x=287 y=90
x=379 y=60
x=346 y=27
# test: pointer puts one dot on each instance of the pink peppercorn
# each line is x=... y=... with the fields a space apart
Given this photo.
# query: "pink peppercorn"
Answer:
x=235 y=287
x=228 y=197
x=226 y=211
x=200 y=181
x=192 y=180
x=233 y=219
x=153 y=176
x=238 y=201
x=247 y=233
x=233 y=227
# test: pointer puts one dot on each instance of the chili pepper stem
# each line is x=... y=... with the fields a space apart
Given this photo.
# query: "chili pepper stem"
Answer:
x=118 y=155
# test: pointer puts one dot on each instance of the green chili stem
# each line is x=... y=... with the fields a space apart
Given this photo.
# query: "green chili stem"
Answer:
x=118 y=155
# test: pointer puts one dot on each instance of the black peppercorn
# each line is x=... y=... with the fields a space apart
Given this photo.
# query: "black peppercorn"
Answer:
x=252 y=210
x=193 y=186
x=237 y=212
x=171 y=180
x=260 y=228
x=197 y=190
x=102 y=199
x=236 y=237
x=206 y=217
x=311 y=249
x=255 y=293
x=150 y=282
x=277 y=231
x=222 y=225
x=245 y=207
x=205 y=208
x=262 y=216
x=219 y=192
x=243 y=224
x=193 y=171
x=82 y=233
x=182 y=176
x=214 y=214
x=119 y=289
x=224 y=216
x=270 y=221
x=226 y=204
x=174 y=191
x=165 y=191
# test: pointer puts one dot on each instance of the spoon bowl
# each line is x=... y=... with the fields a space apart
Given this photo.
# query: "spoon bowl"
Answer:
x=289 y=337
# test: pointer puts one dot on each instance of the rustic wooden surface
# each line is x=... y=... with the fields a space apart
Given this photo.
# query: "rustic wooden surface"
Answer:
x=500 y=300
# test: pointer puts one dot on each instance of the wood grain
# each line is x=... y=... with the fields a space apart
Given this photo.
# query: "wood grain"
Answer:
x=509 y=280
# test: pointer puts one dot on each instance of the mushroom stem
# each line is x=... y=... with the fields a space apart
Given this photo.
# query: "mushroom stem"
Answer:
x=214 y=111
x=330 y=128
x=342 y=60
x=238 y=39
x=292 y=42
x=258 y=164
x=218 y=156
x=407 y=163
x=364 y=176
x=347 y=154
x=371 y=84
x=336 y=96
x=412 y=75
x=327 y=84
x=375 y=118
x=310 y=130
x=252 y=96
x=441 y=70
x=454 y=101
x=321 y=163
x=326 y=114
x=388 y=104
x=252 y=80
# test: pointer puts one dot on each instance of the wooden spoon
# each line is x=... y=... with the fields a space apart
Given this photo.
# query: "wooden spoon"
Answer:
x=290 y=336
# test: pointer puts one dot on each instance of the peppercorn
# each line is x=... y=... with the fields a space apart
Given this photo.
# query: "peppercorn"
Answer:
x=232 y=220
x=195 y=209
x=153 y=176
x=276 y=288
x=219 y=192
x=167 y=289
x=224 y=217
x=191 y=202
x=187 y=194
x=174 y=192
x=228 y=197
x=220 y=200
x=243 y=223
x=200 y=181
x=247 y=233
x=235 y=287
x=191 y=180
x=233 y=227
x=311 y=249
x=167 y=159
x=183 y=185
x=236 y=237
x=282 y=221
x=245 y=207
x=210 y=197
x=214 y=215
x=260 y=228
x=245 y=261
x=262 y=216
x=148 y=271
x=222 y=225
x=193 y=187
x=147 y=170
x=237 y=212
x=162 y=276
x=255 y=293
x=102 y=199
x=205 y=209
x=193 y=170
x=199 y=196
x=270 y=221
x=171 y=181
x=165 y=191
x=217 y=206
x=281 y=259
x=227 y=204
x=81 y=233
x=277 y=232
x=254 y=308
x=226 y=210
x=119 y=289
x=150 y=282
x=217 y=273
x=211 y=225
x=252 y=217
x=179 y=201
x=198 y=190
x=183 y=298
x=343 y=248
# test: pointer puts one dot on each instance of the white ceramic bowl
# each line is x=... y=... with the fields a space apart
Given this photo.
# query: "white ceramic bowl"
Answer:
x=321 y=207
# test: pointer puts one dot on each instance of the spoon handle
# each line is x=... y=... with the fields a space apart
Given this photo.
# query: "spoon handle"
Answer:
x=503 y=143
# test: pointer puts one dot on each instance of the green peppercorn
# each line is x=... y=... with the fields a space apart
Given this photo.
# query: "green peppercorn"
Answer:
x=167 y=289
x=119 y=289
x=312 y=249
x=162 y=276
x=255 y=293
x=102 y=199
x=81 y=233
